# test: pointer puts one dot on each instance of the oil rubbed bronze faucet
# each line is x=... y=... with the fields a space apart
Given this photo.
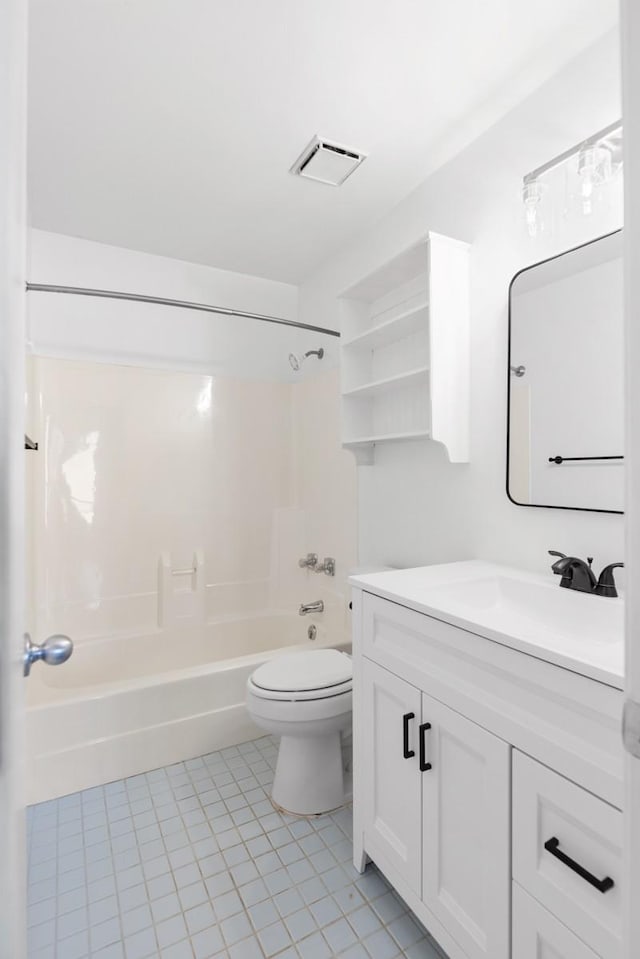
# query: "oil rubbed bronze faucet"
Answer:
x=578 y=575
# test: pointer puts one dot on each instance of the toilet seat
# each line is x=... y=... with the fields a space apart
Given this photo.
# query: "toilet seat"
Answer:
x=319 y=674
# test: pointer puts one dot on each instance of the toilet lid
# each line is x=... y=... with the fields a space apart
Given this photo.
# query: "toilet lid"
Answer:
x=297 y=672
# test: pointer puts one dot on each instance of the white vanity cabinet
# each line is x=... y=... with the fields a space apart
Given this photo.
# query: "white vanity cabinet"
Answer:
x=391 y=779
x=487 y=788
x=436 y=790
x=465 y=846
x=436 y=805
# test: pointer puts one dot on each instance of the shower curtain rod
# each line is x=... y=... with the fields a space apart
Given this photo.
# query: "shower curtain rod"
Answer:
x=165 y=301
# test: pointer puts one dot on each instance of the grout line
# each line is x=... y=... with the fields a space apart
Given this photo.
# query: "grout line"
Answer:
x=238 y=777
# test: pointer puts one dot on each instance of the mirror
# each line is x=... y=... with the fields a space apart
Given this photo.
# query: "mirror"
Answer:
x=566 y=387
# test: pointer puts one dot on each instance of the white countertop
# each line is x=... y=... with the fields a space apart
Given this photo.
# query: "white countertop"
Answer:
x=528 y=612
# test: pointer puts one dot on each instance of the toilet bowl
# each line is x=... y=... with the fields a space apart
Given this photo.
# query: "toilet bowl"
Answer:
x=305 y=699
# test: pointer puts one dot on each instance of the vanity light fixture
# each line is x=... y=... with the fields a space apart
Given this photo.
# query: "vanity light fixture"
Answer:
x=594 y=168
x=532 y=192
x=592 y=163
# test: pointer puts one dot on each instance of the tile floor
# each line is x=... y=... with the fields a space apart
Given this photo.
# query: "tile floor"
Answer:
x=193 y=862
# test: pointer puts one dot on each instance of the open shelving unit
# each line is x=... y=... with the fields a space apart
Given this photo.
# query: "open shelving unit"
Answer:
x=385 y=438
x=405 y=351
x=389 y=383
x=395 y=328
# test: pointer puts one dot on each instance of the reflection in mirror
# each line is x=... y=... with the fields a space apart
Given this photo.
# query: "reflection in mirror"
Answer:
x=566 y=391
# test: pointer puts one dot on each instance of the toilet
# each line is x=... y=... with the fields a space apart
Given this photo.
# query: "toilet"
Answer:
x=305 y=698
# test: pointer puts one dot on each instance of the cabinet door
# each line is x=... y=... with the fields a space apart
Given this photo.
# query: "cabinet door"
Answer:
x=390 y=717
x=466 y=831
x=539 y=935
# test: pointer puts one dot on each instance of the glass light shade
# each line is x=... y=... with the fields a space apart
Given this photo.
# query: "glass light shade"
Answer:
x=532 y=193
x=594 y=169
x=583 y=182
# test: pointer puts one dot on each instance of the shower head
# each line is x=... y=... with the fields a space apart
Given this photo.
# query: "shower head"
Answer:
x=297 y=361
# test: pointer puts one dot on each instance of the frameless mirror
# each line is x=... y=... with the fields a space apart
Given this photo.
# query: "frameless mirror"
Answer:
x=566 y=391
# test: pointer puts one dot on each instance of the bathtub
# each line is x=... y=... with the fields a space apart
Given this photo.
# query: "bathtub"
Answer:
x=126 y=704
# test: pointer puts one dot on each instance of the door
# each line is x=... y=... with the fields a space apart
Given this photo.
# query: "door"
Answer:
x=12 y=245
x=539 y=935
x=630 y=39
x=390 y=710
x=466 y=831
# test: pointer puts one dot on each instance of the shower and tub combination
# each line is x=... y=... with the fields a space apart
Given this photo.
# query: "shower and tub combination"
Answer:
x=124 y=704
x=167 y=548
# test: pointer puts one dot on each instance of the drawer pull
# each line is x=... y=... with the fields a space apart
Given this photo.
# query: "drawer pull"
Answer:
x=424 y=765
x=602 y=885
x=406 y=719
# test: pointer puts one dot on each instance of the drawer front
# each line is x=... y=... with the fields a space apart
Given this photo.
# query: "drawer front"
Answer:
x=539 y=935
x=567 y=852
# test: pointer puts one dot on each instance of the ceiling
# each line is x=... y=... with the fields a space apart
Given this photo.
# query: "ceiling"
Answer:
x=169 y=126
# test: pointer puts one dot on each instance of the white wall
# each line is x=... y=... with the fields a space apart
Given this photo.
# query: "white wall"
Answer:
x=135 y=464
x=415 y=507
x=54 y=258
x=184 y=431
x=325 y=488
x=151 y=335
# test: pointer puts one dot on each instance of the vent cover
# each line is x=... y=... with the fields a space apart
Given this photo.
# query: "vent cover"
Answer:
x=327 y=162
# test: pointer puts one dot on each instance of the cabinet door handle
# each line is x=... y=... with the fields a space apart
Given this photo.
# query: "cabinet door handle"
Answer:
x=424 y=765
x=406 y=719
x=602 y=885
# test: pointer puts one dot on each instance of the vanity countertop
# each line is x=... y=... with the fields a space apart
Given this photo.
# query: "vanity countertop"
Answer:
x=526 y=611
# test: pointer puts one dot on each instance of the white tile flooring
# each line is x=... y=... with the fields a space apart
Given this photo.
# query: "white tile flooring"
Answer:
x=193 y=862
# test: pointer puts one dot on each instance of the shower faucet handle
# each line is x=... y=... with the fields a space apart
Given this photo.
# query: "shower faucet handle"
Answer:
x=309 y=562
x=327 y=566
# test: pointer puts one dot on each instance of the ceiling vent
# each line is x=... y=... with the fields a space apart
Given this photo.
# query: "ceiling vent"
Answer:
x=327 y=162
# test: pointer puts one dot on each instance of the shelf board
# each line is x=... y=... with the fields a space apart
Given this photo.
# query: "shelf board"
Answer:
x=389 y=383
x=394 y=329
x=386 y=438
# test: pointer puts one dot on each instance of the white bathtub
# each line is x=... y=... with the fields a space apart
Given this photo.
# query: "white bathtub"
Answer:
x=123 y=705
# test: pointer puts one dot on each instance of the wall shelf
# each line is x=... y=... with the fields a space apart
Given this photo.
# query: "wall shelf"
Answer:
x=377 y=387
x=405 y=351
x=363 y=446
x=395 y=328
x=386 y=438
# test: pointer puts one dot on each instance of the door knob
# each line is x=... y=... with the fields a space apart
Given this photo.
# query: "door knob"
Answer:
x=54 y=651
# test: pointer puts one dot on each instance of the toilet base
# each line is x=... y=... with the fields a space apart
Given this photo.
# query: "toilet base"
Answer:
x=309 y=777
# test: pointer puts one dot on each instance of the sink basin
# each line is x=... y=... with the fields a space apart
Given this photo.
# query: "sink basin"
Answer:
x=580 y=631
x=541 y=608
